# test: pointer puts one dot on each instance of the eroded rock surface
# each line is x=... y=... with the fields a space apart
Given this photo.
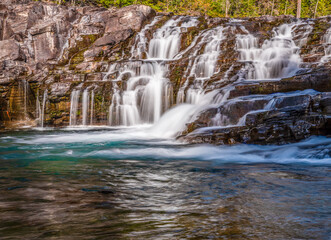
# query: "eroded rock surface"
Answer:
x=49 y=53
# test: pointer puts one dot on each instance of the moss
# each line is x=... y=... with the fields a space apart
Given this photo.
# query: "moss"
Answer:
x=318 y=31
x=54 y=114
x=76 y=54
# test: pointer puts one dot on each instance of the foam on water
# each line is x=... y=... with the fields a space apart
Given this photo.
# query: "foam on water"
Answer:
x=138 y=144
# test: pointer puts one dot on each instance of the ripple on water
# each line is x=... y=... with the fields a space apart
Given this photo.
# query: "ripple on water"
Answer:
x=120 y=184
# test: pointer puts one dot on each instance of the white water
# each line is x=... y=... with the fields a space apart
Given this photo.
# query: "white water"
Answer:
x=201 y=67
x=85 y=107
x=43 y=108
x=143 y=94
x=38 y=108
x=92 y=108
x=23 y=93
x=327 y=46
x=148 y=93
x=174 y=121
x=166 y=40
x=74 y=107
x=311 y=151
x=278 y=57
x=141 y=41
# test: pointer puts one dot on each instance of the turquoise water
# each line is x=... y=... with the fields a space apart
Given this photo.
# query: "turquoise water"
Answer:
x=106 y=183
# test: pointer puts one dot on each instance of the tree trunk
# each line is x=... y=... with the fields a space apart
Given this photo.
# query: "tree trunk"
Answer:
x=272 y=7
x=227 y=8
x=316 y=9
x=285 y=7
x=299 y=9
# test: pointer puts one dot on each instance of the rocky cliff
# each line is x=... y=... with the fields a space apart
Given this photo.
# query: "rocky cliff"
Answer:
x=257 y=80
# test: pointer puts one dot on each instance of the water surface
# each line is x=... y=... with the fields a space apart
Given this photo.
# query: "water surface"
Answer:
x=126 y=184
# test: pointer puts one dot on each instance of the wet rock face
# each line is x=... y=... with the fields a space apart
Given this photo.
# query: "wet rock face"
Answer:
x=40 y=41
x=49 y=52
x=295 y=119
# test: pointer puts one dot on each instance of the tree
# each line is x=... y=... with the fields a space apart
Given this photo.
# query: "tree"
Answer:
x=298 y=8
x=227 y=5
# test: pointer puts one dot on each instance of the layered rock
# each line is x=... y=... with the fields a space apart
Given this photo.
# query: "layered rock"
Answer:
x=47 y=46
x=57 y=61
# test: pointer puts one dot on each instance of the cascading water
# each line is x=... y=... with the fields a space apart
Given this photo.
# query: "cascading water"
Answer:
x=85 y=107
x=74 y=107
x=43 y=108
x=148 y=92
x=166 y=40
x=327 y=46
x=175 y=120
x=23 y=87
x=140 y=45
x=278 y=57
x=142 y=93
x=38 y=108
x=92 y=108
x=203 y=66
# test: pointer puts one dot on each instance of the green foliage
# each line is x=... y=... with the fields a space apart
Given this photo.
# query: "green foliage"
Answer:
x=217 y=8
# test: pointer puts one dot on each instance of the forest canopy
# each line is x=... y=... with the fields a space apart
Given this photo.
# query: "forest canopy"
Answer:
x=222 y=8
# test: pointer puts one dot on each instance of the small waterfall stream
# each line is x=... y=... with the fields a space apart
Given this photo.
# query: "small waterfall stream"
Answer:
x=74 y=107
x=166 y=40
x=327 y=46
x=43 y=108
x=92 y=108
x=85 y=107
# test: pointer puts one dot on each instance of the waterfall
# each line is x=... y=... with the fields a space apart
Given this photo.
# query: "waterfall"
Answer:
x=142 y=93
x=174 y=121
x=148 y=92
x=85 y=106
x=23 y=94
x=140 y=46
x=166 y=40
x=144 y=96
x=278 y=57
x=74 y=107
x=38 y=108
x=43 y=108
x=203 y=66
x=92 y=108
x=327 y=46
